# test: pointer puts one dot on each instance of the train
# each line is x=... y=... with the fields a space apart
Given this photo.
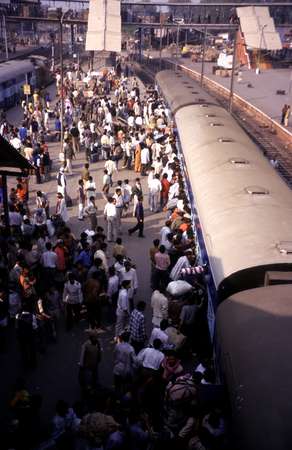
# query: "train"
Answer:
x=242 y=213
x=17 y=72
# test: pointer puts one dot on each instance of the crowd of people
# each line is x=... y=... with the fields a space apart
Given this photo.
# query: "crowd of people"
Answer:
x=164 y=384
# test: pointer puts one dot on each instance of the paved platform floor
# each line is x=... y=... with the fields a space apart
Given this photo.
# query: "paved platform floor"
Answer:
x=57 y=373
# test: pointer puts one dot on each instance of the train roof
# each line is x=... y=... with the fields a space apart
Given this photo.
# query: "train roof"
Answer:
x=254 y=332
x=180 y=90
x=244 y=207
x=13 y=68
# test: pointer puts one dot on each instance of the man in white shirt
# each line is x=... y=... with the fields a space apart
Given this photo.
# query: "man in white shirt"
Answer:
x=151 y=358
x=15 y=218
x=16 y=142
x=131 y=121
x=105 y=145
x=165 y=230
x=159 y=305
x=150 y=176
x=123 y=309
x=159 y=333
x=130 y=274
x=145 y=158
x=158 y=166
x=154 y=193
x=49 y=258
x=111 y=167
x=119 y=202
x=101 y=253
x=110 y=215
x=173 y=190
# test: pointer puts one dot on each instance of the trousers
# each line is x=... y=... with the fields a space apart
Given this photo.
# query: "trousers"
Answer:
x=121 y=323
x=111 y=228
x=80 y=210
x=139 y=226
x=119 y=217
x=154 y=201
x=93 y=221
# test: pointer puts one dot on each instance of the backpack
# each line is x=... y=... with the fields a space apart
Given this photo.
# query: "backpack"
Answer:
x=182 y=391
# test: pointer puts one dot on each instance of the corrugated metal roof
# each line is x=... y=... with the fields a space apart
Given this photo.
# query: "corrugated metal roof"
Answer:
x=259 y=28
x=11 y=158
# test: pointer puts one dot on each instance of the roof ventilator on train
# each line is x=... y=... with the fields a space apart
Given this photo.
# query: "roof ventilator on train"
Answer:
x=239 y=161
x=256 y=190
x=216 y=124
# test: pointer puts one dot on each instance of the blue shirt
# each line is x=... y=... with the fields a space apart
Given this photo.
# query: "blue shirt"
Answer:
x=22 y=133
x=85 y=258
x=57 y=125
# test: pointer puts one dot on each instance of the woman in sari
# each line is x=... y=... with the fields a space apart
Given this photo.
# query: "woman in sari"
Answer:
x=137 y=166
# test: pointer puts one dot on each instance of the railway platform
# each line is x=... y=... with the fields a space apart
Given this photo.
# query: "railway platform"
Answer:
x=259 y=90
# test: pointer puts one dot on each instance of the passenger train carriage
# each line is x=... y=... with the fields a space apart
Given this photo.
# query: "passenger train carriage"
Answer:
x=15 y=73
x=243 y=212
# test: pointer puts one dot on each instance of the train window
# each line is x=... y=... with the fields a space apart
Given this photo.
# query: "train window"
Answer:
x=216 y=124
x=210 y=115
x=238 y=161
x=256 y=190
x=194 y=92
x=285 y=247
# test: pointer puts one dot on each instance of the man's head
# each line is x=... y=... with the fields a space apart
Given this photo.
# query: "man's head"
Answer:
x=141 y=306
x=157 y=344
x=163 y=324
x=156 y=242
x=126 y=284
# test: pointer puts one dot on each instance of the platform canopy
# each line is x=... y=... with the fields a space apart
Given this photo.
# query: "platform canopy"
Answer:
x=258 y=28
x=10 y=158
x=104 y=26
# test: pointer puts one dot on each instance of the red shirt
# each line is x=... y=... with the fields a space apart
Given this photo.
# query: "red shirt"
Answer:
x=61 y=262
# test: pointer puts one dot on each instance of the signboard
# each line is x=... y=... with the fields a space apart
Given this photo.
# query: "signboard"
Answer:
x=26 y=89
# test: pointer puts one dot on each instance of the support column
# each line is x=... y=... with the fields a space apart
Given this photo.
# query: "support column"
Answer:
x=203 y=56
x=5 y=204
